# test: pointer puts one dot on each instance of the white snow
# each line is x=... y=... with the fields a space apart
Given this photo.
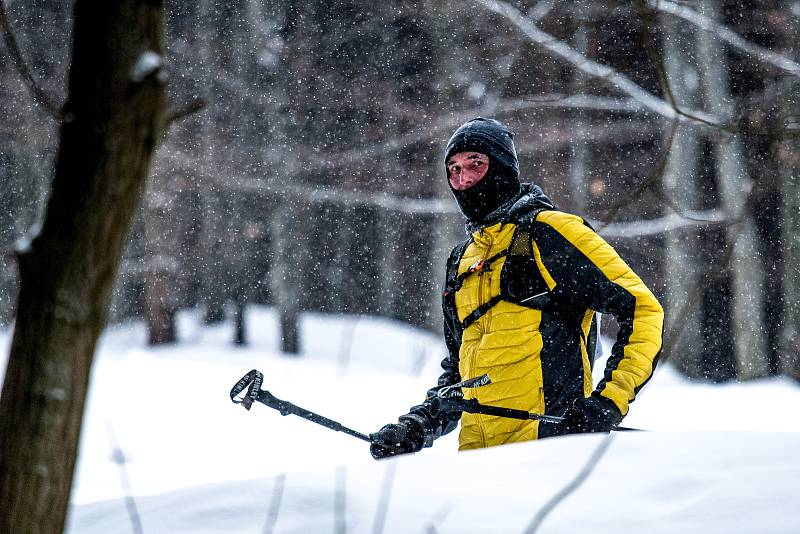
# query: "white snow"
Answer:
x=720 y=458
x=146 y=64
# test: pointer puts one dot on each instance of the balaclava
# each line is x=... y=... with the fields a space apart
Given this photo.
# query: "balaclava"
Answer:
x=501 y=183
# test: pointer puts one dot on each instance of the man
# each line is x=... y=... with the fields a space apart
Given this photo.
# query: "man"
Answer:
x=519 y=303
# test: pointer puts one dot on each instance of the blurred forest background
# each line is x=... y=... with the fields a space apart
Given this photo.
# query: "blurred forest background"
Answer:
x=304 y=165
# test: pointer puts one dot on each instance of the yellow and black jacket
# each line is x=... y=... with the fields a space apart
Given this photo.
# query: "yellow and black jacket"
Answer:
x=519 y=302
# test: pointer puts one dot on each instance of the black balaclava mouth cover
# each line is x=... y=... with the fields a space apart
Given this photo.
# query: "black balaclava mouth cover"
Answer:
x=501 y=183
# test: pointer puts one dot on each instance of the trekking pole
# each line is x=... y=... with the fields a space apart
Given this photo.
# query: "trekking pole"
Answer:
x=449 y=399
x=252 y=382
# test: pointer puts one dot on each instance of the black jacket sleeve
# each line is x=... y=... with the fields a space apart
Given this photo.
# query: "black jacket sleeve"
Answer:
x=582 y=267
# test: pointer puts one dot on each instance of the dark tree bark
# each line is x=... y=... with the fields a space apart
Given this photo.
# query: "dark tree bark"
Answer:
x=112 y=121
x=162 y=252
x=284 y=280
x=790 y=350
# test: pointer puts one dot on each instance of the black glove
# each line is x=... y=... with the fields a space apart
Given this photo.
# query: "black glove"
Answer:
x=591 y=414
x=399 y=438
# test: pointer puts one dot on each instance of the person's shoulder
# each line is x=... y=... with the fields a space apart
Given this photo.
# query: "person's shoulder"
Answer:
x=550 y=218
x=556 y=218
x=568 y=226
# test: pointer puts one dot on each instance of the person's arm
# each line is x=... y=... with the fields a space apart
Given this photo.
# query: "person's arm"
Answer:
x=422 y=425
x=580 y=265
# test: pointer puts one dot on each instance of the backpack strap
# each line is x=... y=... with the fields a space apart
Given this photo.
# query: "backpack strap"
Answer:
x=455 y=280
x=526 y=221
x=453 y=329
x=480 y=311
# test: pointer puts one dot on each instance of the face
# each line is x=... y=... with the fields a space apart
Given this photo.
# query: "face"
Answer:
x=465 y=169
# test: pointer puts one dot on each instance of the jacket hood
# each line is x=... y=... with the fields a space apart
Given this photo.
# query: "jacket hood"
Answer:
x=530 y=199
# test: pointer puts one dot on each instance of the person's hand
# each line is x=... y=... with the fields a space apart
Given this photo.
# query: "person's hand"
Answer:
x=397 y=438
x=591 y=414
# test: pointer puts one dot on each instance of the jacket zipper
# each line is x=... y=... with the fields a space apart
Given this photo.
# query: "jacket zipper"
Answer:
x=482 y=292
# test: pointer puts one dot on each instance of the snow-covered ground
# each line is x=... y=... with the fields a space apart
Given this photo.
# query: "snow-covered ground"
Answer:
x=721 y=458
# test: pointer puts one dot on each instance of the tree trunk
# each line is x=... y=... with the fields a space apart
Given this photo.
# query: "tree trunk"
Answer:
x=747 y=274
x=211 y=198
x=162 y=249
x=788 y=152
x=790 y=345
x=113 y=119
x=283 y=277
x=388 y=258
x=681 y=261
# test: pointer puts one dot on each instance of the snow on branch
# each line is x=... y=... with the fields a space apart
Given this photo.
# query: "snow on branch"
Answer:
x=433 y=206
x=593 y=68
x=148 y=63
x=661 y=225
x=726 y=34
x=576 y=101
x=321 y=195
x=444 y=206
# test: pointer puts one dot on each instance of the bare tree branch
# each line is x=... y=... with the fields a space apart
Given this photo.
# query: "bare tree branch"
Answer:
x=592 y=68
x=340 y=501
x=438 y=125
x=661 y=225
x=647 y=20
x=570 y=488
x=275 y=504
x=646 y=23
x=438 y=518
x=382 y=200
x=575 y=101
x=726 y=34
x=385 y=498
x=733 y=126
x=119 y=458
x=437 y=206
x=24 y=71
x=180 y=113
x=323 y=161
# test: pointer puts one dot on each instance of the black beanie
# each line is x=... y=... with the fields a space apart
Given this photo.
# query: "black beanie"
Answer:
x=501 y=183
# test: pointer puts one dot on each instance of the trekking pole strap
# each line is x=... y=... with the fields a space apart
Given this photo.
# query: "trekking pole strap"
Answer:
x=252 y=381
